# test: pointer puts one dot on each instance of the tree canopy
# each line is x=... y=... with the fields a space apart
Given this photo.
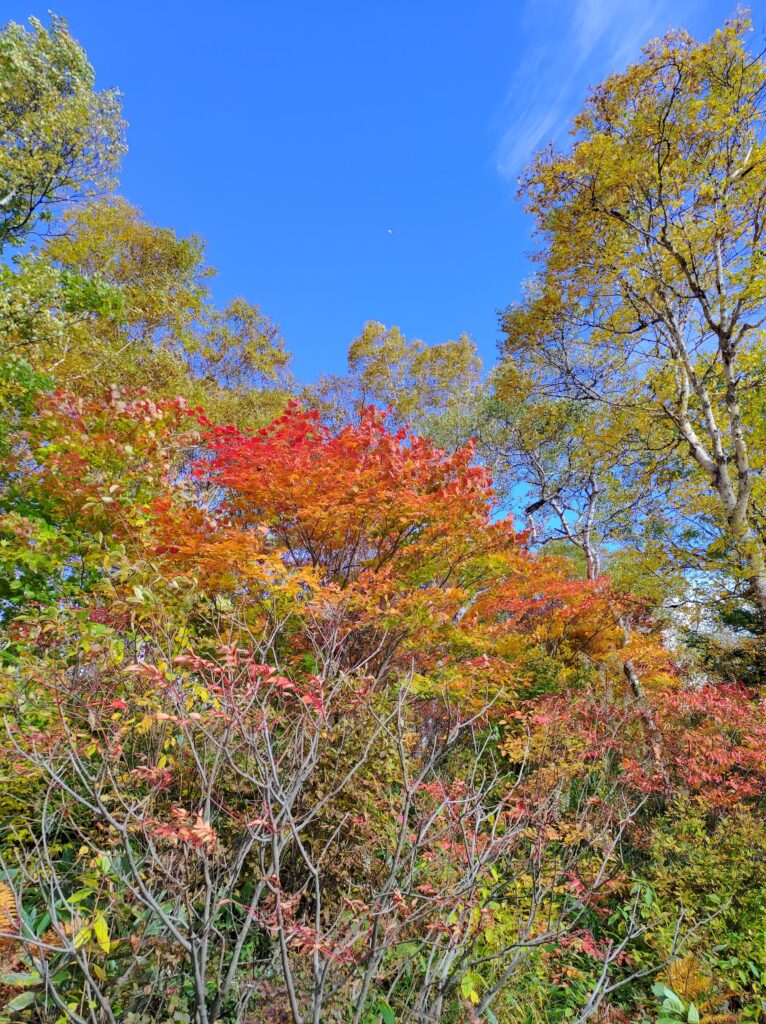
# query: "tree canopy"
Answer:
x=415 y=693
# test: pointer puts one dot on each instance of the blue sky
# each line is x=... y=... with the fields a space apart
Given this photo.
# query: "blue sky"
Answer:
x=356 y=161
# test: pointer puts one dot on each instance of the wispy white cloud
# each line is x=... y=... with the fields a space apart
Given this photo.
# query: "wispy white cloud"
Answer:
x=591 y=20
x=569 y=47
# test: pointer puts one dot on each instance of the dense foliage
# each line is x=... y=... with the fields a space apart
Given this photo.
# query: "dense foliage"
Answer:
x=298 y=725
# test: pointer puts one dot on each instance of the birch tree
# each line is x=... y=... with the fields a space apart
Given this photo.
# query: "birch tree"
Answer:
x=649 y=298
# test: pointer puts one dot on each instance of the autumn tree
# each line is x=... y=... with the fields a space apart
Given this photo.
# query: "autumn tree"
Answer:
x=60 y=139
x=317 y=708
x=649 y=298
x=112 y=297
x=297 y=726
x=343 y=620
x=161 y=327
x=107 y=296
x=427 y=387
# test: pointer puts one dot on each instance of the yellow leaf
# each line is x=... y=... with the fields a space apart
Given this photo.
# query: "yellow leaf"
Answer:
x=101 y=931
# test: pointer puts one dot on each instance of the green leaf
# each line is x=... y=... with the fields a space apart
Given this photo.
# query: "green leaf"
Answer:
x=21 y=1002
x=20 y=979
x=469 y=986
x=386 y=1013
x=673 y=1003
x=693 y=1016
x=80 y=895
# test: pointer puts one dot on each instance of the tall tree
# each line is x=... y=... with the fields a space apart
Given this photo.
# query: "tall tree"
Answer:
x=536 y=445
x=650 y=295
x=59 y=138
x=113 y=298
x=426 y=386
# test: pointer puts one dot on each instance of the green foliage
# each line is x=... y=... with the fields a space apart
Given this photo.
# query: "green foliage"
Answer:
x=114 y=298
x=716 y=871
x=58 y=137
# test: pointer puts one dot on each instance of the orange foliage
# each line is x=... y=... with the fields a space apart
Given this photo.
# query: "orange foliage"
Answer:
x=367 y=550
x=355 y=501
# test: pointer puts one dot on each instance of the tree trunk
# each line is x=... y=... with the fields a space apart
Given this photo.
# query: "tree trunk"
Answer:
x=757 y=574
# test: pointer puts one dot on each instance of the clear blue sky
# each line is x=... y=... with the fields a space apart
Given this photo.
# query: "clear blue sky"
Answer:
x=295 y=135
